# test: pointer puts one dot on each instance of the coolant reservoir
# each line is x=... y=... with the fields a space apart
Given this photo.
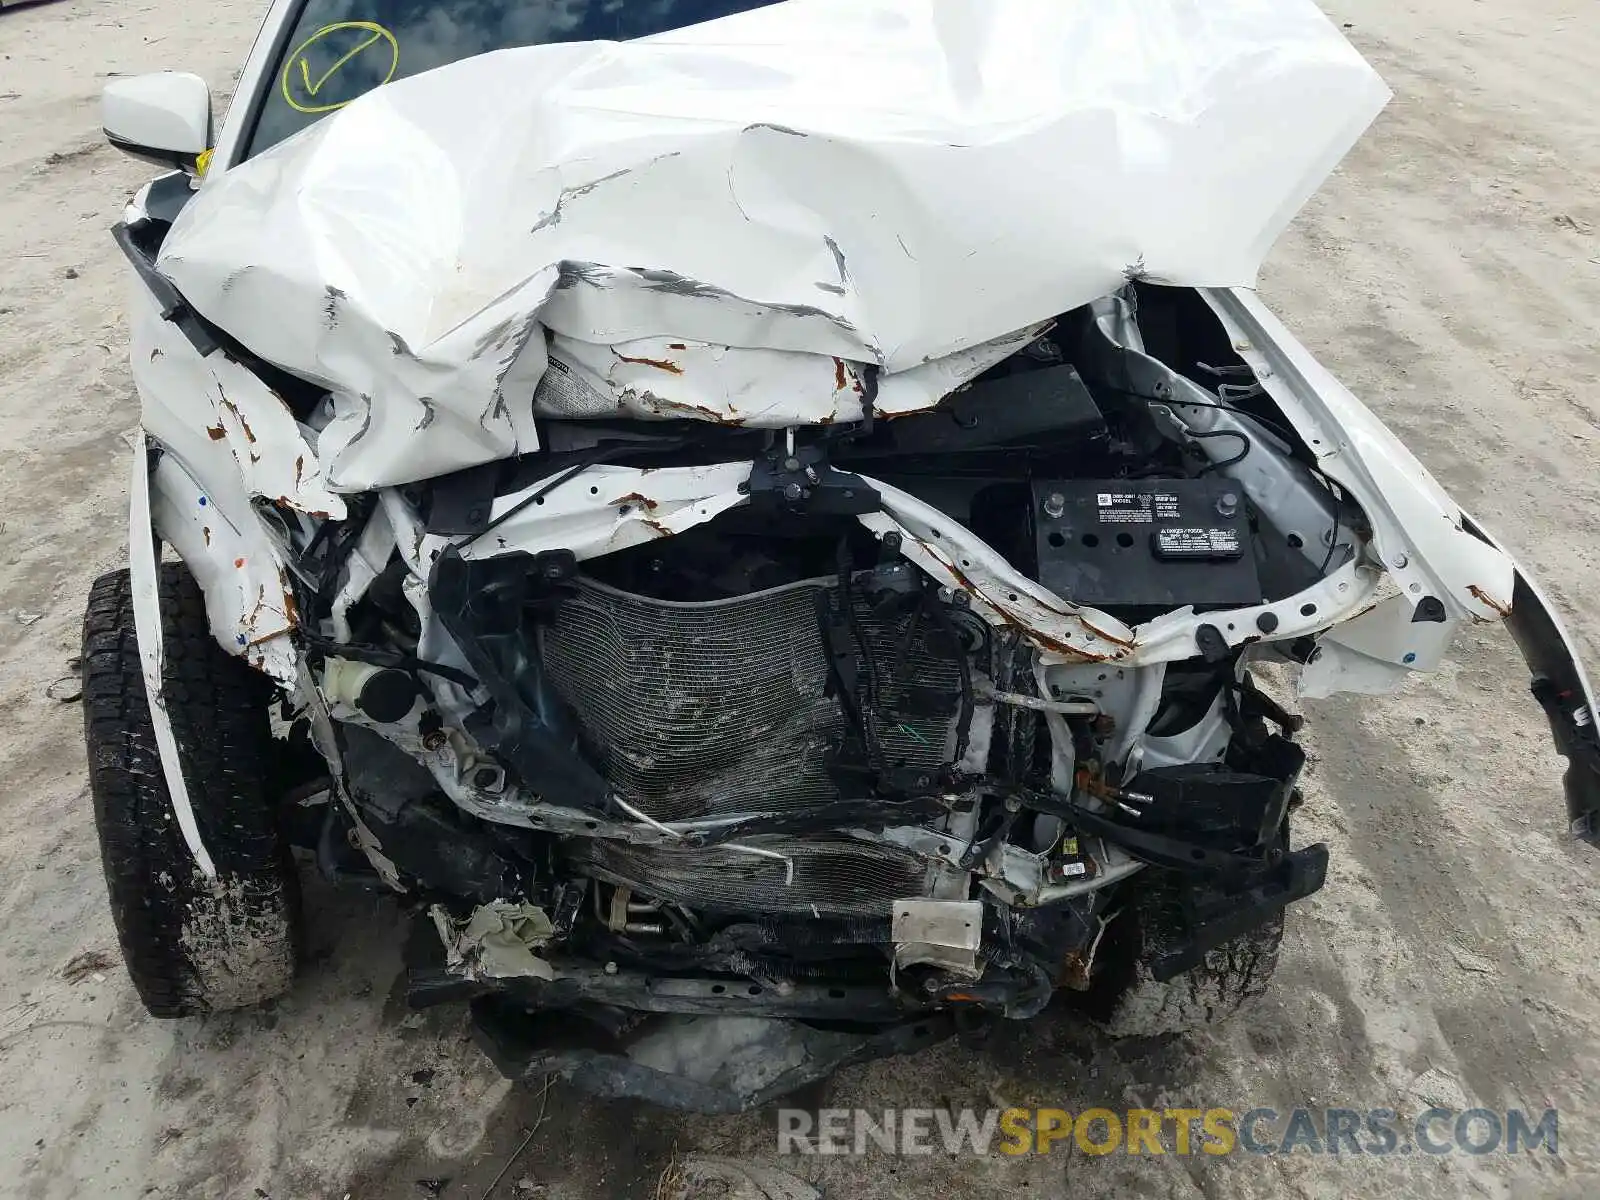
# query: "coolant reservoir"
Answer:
x=385 y=694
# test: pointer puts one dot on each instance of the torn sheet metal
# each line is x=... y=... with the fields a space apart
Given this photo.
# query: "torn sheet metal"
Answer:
x=997 y=591
x=605 y=509
x=234 y=434
x=665 y=378
x=249 y=600
x=500 y=940
x=372 y=552
x=894 y=183
x=1420 y=533
x=1375 y=653
x=276 y=462
x=609 y=508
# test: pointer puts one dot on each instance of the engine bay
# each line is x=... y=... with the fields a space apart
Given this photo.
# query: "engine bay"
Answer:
x=769 y=745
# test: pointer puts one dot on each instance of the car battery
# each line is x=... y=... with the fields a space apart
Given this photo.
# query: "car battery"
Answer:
x=1146 y=544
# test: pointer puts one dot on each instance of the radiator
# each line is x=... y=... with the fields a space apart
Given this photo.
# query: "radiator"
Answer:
x=720 y=708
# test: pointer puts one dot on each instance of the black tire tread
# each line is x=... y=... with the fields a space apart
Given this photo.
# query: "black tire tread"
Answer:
x=191 y=945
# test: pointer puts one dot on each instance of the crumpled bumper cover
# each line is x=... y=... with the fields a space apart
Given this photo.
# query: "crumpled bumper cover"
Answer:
x=1562 y=689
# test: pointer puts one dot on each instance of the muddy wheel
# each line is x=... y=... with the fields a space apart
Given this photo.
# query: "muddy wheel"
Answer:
x=1126 y=1001
x=192 y=944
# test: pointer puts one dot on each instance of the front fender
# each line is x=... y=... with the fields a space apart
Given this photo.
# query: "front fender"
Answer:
x=1429 y=546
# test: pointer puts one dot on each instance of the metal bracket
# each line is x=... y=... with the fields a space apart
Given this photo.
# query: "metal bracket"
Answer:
x=800 y=480
x=938 y=933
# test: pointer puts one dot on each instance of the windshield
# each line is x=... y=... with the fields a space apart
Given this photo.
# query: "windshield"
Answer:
x=339 y=49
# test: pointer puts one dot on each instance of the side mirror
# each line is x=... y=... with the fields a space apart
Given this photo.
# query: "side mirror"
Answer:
x=164 y=117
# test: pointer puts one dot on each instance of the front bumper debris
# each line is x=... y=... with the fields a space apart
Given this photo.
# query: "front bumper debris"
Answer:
x=1562 y=689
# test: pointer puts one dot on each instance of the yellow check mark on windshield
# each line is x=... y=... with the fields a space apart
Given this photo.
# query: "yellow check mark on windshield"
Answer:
x=305 y=68
x=309 y=88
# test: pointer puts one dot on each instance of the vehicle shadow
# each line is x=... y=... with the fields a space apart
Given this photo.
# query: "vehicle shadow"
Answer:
x=339 y=1088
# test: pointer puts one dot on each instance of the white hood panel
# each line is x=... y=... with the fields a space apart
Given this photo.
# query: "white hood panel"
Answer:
x=908 y=183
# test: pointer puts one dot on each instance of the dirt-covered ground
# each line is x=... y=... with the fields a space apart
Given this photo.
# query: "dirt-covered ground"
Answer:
x=1450 y=274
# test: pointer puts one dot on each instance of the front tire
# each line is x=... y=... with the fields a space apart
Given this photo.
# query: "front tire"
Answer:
x=1127 y=1001
x=192 y=944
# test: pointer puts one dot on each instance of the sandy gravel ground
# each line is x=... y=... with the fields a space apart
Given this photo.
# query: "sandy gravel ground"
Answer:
x=1450 y=274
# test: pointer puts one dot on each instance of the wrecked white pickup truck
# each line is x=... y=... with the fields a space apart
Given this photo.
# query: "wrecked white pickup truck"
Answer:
x=755 y=519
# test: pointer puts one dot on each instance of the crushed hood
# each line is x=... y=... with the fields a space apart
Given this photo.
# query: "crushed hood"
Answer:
x=759 y=220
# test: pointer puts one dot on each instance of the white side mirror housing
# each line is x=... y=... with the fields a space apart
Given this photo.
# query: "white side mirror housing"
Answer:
x=164 y=117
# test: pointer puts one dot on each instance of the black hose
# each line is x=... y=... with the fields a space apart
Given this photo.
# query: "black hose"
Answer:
x=1032 y=1002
